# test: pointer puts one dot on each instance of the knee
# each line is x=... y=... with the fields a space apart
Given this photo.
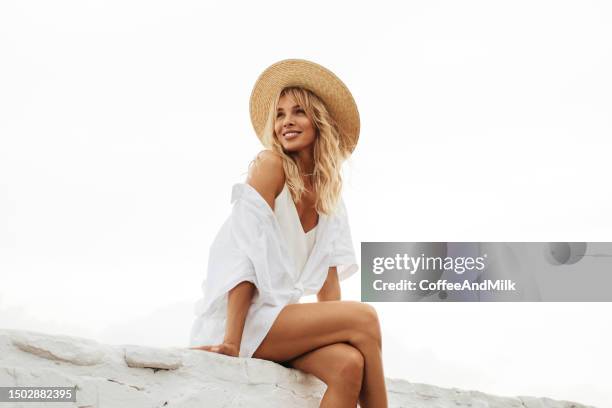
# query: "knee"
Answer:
x=369 y=325
x=349 y=373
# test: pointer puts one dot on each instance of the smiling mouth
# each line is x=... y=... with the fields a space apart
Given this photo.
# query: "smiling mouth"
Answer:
x=291 y=135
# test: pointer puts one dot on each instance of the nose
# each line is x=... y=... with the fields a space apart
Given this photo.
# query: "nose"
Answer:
x=288 y=120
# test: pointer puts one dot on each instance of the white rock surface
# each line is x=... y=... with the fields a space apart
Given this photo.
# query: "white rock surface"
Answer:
x=133 y=376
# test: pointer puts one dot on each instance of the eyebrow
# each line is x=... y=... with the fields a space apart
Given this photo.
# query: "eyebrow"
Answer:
x=294 y=106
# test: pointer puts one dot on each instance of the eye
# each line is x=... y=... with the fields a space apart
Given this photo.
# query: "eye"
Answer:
x=279 y=114
x=300 y=110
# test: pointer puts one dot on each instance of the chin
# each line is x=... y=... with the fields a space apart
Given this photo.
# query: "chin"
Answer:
x=294 y=149
x=288 y=151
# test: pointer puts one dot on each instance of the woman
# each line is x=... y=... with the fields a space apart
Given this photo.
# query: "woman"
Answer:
x=288 y=236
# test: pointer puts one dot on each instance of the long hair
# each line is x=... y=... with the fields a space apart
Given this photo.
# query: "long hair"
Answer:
x=328 y=155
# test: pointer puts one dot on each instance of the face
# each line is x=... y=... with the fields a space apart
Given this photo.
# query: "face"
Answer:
x=292 y=126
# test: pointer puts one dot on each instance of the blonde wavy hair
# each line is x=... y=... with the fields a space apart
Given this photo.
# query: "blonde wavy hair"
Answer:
x=328 y=154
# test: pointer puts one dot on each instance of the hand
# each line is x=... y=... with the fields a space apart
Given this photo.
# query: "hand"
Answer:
x=229 y=349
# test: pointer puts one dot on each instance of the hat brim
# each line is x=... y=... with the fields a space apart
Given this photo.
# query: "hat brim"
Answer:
x=315 y=78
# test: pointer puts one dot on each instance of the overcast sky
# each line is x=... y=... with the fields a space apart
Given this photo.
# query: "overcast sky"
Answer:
x=124 y=124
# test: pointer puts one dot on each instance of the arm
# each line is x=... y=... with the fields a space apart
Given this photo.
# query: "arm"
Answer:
x=238 y=303
x=331 y=287
x=267 y=177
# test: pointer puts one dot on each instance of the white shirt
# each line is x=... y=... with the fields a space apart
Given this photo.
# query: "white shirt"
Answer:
x=299 y=243
x=250 y=246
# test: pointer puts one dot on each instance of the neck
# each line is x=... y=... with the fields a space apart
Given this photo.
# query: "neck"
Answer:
x=305 y=161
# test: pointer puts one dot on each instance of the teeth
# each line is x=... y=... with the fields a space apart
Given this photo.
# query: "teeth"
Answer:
x=290 y=134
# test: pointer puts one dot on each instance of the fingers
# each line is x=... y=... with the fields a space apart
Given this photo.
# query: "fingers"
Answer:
x=200 y=348
x=206 y=348
x=224 y=348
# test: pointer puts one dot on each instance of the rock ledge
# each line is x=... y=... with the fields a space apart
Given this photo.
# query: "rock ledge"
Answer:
x=134 y=376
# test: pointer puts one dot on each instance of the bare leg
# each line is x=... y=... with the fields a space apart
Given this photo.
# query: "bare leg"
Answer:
x=303 y=327
x=340 y=367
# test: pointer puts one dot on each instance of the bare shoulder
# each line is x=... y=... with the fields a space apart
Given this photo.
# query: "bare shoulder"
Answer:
x=266 y=175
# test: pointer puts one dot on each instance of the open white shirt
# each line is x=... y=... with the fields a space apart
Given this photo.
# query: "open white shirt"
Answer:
x=250 y=247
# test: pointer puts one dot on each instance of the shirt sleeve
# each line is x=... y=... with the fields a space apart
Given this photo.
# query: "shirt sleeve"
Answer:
x=247 y=249
x=343 y=252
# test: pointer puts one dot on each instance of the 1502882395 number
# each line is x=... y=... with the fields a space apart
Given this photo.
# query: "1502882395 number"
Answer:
x=38 y=394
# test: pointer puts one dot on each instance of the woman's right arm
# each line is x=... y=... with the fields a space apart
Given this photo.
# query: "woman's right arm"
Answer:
x=238 y=302
x=267 y=177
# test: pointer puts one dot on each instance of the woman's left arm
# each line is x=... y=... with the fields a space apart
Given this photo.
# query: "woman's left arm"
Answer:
x=331 y=288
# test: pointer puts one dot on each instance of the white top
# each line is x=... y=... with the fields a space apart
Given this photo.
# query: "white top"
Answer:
x=299 y=243
x=252 y=246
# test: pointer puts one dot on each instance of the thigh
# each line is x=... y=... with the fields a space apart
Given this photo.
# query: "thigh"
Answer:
x=303 y=327
x=326 y=362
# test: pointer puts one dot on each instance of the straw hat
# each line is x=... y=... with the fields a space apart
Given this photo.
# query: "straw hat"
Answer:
x=317 y=79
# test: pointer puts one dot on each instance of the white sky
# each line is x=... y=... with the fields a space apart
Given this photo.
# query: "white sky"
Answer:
x=123 y=125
